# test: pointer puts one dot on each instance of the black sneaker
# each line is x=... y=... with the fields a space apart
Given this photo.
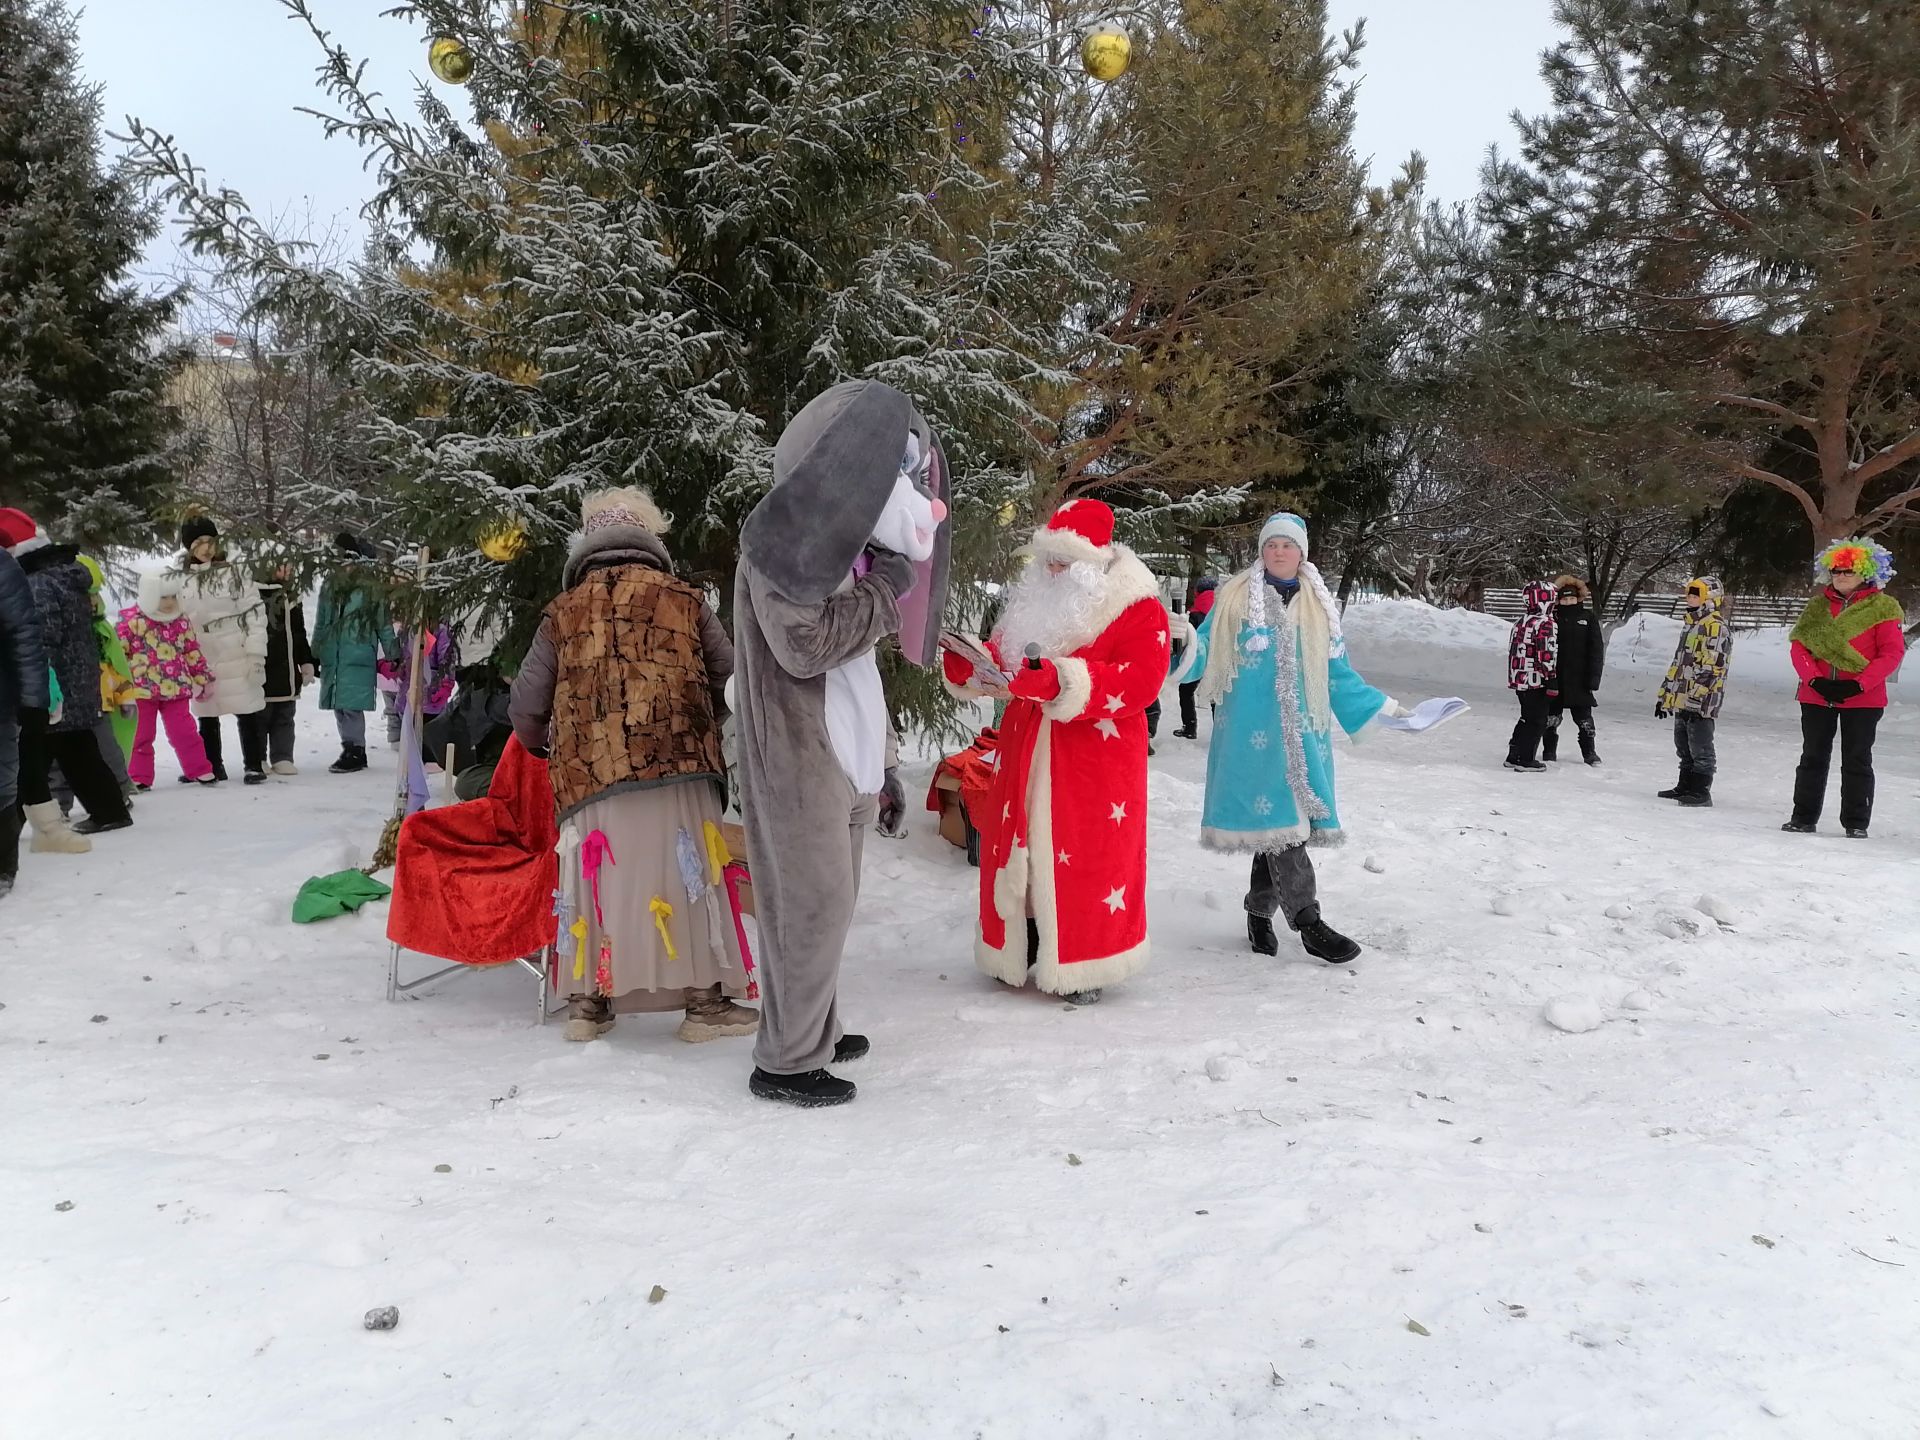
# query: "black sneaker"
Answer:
x=1323 y=942
x=1186 y=734
x=1798 y=827
x=91 y=826
x=851 y=1047
x=1856 y=832
x=809 y=1091
x=254 y=777
x=1081 y=998
x=1260 y=935
x=144 y=789
x=1526 y=767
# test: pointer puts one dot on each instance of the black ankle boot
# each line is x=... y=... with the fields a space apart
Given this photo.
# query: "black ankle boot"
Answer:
x=1260 y=935
x=1550 y=747
x=352 y=758
x=1587 y=751
x=1679 y=786
x=810 y=1091
x=1321 y=940
x=1698 y=792
x=1033 y=944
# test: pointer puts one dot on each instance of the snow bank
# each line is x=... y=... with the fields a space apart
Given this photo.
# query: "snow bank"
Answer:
x=1404 y=621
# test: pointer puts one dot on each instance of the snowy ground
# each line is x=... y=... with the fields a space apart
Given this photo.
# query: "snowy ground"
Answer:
x=1216 y=1205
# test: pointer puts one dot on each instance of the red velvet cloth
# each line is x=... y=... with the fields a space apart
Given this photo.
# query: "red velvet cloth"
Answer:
x=474 y=882
x=973 y=767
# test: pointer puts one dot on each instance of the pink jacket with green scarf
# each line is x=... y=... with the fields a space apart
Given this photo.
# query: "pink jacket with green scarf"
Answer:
x=1858 y=637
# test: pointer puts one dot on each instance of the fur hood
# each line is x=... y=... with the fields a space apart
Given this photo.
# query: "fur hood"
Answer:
x=613 y=545
x=1562 y=582
x=158 y=585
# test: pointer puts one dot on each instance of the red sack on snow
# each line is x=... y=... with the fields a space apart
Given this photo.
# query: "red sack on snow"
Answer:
x=474 y=882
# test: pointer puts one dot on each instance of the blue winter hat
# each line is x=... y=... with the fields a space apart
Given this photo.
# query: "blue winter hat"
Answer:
x=1287 y=526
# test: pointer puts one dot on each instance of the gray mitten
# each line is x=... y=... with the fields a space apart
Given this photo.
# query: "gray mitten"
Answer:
x=891 y=568
x=892 y=821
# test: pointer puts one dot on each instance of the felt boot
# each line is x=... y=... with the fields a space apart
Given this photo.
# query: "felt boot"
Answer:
x=589 y=1017
x=285 y=767
x=51 y=833
x=810 y=1090
x=1698 y=792
x=712 y=1016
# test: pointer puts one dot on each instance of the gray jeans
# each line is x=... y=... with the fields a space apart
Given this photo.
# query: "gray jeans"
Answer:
x=352 y=725
x=1693 y=740
x=1282 y=884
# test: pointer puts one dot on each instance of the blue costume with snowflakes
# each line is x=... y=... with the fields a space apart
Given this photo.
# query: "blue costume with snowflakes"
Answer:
x=1270 y=777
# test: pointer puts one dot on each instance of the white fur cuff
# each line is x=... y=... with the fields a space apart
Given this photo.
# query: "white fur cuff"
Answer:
x=1076 y=691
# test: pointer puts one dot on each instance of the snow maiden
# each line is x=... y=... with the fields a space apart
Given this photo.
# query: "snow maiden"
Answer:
x=1271 y=657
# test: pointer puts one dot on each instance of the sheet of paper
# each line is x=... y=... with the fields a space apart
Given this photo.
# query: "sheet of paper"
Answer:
x=1426 y=715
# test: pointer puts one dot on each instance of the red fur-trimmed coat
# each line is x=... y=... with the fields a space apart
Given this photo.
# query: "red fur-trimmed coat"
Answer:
x=1066 y=819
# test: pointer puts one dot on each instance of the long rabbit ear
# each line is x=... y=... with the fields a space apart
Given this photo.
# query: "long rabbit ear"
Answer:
x=925 y=606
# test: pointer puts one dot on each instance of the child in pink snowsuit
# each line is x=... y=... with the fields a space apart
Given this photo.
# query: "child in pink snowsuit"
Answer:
x=168 y=670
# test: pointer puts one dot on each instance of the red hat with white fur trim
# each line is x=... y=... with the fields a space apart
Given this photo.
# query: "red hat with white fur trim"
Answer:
x=1080 y=530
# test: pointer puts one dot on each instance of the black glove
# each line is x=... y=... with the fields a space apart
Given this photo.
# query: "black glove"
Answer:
x=1833 y=690
x=1660 y=711
x=893 y=807
x=891 y=569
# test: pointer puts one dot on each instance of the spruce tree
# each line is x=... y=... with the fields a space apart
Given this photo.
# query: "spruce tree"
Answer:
x=663 y=226
x=87 y=438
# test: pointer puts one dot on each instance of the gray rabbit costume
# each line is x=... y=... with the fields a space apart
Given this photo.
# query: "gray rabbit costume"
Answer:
x=800 y=613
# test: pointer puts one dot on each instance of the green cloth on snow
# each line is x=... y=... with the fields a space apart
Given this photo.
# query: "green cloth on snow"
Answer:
x=325 y=896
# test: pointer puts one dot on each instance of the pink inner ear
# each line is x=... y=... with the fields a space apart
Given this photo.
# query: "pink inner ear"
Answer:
x=939 y=509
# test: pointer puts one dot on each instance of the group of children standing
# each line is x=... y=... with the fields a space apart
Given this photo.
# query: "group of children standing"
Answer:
x=204 y=639
x=1846 y=645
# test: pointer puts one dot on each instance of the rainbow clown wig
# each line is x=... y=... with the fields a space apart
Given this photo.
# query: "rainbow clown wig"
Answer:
x=1870 y=561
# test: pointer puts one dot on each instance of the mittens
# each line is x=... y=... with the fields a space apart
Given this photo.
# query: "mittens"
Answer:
x=893 y=806
x=892 y=569
x=1039 y=682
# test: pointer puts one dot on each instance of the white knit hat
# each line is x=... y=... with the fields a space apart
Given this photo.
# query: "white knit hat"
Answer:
x=1287 y=526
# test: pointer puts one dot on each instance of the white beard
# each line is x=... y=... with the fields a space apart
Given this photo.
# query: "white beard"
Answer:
x=1058 y=613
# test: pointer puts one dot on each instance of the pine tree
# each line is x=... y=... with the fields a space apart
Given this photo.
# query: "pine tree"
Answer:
x=1708 y=245
x=673 y=224
x=1237 y=289
x=87 y=438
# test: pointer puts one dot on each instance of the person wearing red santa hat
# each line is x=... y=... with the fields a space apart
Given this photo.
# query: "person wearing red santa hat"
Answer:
x=1082 y=648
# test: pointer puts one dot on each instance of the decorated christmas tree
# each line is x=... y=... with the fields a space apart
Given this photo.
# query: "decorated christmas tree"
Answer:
x=639 y=235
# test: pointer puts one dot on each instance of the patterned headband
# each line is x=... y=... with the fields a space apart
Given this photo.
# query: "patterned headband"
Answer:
x=612 y=515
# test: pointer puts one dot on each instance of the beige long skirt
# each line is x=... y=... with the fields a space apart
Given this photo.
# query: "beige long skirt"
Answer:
x=642 y=829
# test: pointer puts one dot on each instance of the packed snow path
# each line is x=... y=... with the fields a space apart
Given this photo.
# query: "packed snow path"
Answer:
x=1242 y=1197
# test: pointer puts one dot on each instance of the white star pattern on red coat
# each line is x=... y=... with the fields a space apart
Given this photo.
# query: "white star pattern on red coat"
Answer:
x=1115 y=704
x=1162 y=637
x=1107 y=728
x=1062 y=858
x=1119 y=812
x=1116 y=899
x=1006 y=812
x=1120 y=666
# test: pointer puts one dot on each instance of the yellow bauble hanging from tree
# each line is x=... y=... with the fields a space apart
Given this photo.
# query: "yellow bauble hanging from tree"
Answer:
x=504 y=543
x=450 y=59
x=1106 y=53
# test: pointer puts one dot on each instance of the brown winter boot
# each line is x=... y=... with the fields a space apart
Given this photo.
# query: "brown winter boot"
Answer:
x=589 y=1017
x=712 y=1016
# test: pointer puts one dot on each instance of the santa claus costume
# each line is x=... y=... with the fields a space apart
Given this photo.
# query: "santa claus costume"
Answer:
x=1063 y=866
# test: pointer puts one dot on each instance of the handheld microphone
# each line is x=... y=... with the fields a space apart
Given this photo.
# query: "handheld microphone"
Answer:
x=1033 y=656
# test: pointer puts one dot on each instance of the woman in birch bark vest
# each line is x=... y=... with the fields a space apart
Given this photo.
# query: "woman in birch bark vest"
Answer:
x=622 y=692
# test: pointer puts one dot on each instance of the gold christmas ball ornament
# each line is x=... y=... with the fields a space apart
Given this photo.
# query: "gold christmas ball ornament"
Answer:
x=1106 y=53
x=450 y=59
x=505 y=542
x=1006 y=515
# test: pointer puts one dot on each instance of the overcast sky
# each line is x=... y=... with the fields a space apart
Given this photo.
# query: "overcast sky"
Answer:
x=224 y=77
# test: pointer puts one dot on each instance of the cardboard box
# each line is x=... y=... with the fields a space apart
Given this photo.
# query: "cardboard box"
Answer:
x=953 y=812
